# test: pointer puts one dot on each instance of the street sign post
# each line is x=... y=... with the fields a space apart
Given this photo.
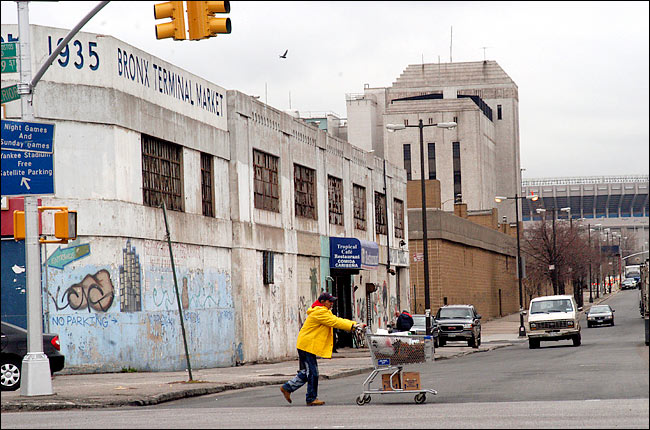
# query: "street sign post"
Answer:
x=27 y=158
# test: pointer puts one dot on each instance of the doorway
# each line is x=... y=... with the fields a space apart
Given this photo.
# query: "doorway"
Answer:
x=343 y=307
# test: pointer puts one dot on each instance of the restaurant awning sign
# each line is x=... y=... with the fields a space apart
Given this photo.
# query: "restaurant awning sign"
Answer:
x=353 y=253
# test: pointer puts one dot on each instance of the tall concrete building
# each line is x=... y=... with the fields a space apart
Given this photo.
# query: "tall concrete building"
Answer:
x=475 y=161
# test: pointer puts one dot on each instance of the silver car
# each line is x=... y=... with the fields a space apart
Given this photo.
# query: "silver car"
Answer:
x=600 y=314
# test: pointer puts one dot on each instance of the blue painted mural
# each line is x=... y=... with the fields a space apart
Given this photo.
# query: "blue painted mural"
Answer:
x=116 y=316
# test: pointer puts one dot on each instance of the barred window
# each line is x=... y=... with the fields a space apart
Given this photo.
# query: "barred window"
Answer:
x=458 y=189
x=398 y=217
x=381 y=225
x=162 y=178
x=359 y=194
x=206 y=185
x=266 y=188
x=335 y=191
x=432 y=160
x=305 y=185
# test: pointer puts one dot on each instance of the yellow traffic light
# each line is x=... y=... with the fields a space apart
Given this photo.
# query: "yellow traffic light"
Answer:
x=202 y=22
x=176 y=27
x=65 y=224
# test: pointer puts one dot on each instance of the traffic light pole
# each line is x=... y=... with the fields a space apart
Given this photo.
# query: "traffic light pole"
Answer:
x=36 y=379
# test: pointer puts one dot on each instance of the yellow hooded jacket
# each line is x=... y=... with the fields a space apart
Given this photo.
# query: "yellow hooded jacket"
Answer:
x=316 y=335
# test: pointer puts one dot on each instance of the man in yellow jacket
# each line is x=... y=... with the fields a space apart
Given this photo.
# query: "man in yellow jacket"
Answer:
x=316 y=338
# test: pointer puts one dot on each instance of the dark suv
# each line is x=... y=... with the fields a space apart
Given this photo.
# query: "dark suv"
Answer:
x=459 y=322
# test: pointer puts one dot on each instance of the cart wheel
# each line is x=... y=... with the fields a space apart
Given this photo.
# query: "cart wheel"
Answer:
x=420 y=398
x=361 y=401
x=366 y=398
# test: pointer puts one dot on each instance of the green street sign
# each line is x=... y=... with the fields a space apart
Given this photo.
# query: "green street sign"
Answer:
x=9 y=65
x=9 y=50
x=10 y=94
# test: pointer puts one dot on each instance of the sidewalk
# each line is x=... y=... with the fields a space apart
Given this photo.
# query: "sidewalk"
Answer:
x=150 y=388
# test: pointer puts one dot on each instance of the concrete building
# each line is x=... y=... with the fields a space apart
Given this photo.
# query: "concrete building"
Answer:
x=265 y=211
x=619 y=203
x=474 y=162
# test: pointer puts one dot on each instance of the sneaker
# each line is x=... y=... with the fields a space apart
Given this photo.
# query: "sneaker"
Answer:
x=287 y=395
x=316 y=403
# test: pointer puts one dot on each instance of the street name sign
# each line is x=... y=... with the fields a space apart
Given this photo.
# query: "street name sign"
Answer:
x=9 y=65
x=10 y=93
x=27 y=158
x=9 y=50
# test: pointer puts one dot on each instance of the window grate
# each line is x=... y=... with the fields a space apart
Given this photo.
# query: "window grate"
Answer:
x=398 y=217
x=407 y=160
x=381 y=225
x=162 y=178
x=359 y=194
x=206 y=185
x=305 y=186
x=335 y=190
x=266 y=189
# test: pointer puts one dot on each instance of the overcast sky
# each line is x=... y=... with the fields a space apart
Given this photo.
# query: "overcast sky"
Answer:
x=581 y=68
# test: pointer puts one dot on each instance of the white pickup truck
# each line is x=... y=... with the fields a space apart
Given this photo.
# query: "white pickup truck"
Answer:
x=553 y=318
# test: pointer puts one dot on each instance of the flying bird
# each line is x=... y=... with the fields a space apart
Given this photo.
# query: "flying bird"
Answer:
x=285 y=54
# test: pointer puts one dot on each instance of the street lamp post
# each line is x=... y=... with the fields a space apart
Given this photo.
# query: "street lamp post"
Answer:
x=499 y=199
x=425 y=239
x=600 y=260
x=591 y=297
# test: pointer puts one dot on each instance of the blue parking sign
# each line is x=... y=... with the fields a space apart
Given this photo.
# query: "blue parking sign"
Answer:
x=27 y=158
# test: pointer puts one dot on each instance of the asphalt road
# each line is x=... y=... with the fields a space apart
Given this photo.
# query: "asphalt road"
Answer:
x=611 y=363
x=601 y=384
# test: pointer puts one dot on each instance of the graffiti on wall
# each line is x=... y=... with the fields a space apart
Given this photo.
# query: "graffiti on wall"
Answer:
x=93 y=292
x=130 y=280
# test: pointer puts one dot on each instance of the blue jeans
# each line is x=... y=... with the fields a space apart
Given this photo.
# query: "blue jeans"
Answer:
x=308 y=373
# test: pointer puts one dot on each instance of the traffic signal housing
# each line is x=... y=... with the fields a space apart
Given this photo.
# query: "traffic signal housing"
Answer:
x=65 y=224
x=176 y=27
x=201 y=20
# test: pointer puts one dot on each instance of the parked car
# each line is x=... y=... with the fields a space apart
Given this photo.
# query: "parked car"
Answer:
x=600 y=314
x=14 y=348
x=628 y=283
x=553 y=318
x=420 y=328
x=459 y=322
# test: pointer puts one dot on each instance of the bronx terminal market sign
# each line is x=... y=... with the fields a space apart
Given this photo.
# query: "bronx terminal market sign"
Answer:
x=352 y=253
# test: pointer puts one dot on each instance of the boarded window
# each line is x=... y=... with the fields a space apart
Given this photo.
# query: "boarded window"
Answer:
x=359 y=195
x=398 y=217
x=335 y=191
x=162 y=177
x=305 y=186
x=266 y=189
x=381 y=224
x=207 y=191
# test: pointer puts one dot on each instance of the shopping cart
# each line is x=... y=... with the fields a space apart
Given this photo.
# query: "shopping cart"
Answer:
x=390 y=352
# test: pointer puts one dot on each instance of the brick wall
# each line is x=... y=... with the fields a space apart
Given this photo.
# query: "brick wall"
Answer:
x=465 y=275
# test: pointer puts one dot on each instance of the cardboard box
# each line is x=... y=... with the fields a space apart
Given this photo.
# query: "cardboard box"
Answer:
x=411 y=380
x=385 y=382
